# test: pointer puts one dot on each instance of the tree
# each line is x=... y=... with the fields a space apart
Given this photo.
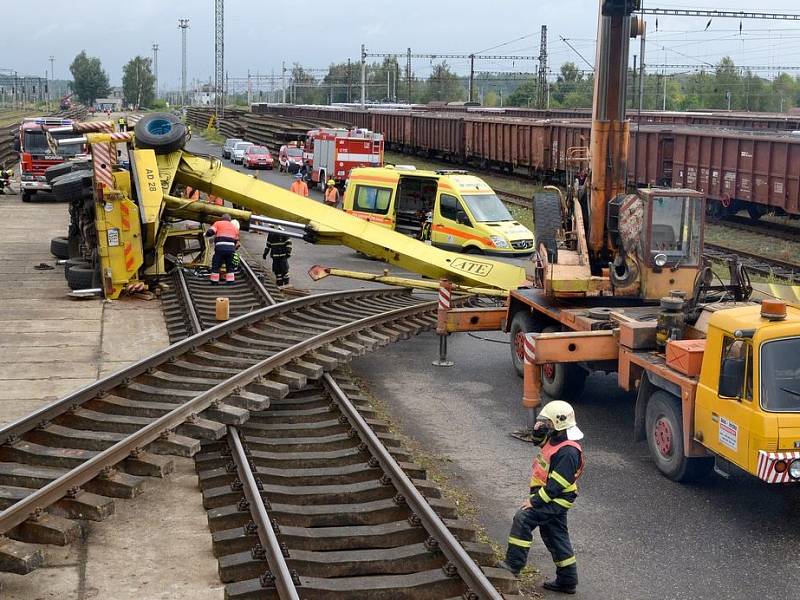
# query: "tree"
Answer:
x=89 y=80
x=443 y=85
x=138 y=82
x=525 y=94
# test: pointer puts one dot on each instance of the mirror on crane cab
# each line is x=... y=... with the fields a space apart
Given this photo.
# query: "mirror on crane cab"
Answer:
x=671 y=239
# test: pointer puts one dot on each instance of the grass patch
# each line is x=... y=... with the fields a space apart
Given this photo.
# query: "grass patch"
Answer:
x=212 y=135
x=436 y=469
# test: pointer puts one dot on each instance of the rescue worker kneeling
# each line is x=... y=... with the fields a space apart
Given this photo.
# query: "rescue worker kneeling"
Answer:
x=553 y=490
x=226 y=240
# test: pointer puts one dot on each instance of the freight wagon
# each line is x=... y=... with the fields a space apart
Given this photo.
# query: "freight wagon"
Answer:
x=737 y=170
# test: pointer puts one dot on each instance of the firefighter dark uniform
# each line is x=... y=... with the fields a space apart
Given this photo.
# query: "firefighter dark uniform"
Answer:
x=280 y=247
x=226 y=239
x=553 y=490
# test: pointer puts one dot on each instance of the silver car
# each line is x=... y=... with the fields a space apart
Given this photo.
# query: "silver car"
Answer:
x=237 y=155
x=227 y=148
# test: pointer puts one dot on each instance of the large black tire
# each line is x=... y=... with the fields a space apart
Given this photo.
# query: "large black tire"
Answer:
x=522 y=322
x=546 y=221
x=66 y=167
x=81 y=278
x=75 y=262
x=72 y=185
x=59 y=247
x=563 y=381
x=27 y=196
x=162 y=132
x=664 y=427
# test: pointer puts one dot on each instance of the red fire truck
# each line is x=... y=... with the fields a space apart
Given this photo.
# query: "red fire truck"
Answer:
x=35 y=154
x=333 y=153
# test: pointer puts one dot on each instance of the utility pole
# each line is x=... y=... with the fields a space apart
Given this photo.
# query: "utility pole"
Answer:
x=664 y=105
x=50 y=91
x=349 y=82
x=471 y=76
x=249 y=89
x=283 y=80
x=219 y=60
x=155 y=67
x=541 y=99
x=183 y=25
x=408 y=74
x=363 y=75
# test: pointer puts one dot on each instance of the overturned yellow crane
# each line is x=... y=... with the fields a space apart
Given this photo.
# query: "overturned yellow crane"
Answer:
x=130 y=249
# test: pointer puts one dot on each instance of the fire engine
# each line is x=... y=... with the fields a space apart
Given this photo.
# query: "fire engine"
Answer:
x=36 y=154
x=333 y=153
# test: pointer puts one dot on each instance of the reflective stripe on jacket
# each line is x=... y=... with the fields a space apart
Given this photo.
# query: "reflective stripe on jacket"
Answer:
x=225 y=233
x=550 y=485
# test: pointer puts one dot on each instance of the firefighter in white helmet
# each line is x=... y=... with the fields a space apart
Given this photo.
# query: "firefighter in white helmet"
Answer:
x=553 y=490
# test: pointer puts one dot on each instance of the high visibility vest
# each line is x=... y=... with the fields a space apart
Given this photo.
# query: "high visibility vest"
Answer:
x=226 y=234
x=299 y=187
x=331 y=195
x=541 y=464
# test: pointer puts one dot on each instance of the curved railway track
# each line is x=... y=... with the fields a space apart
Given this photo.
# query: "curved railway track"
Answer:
x=314 y=498
x=70 y=458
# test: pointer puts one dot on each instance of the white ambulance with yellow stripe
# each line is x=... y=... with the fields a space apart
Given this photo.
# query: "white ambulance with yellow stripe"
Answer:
x=452 y=209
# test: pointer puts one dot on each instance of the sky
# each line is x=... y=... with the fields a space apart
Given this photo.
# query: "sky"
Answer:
x=260 y=34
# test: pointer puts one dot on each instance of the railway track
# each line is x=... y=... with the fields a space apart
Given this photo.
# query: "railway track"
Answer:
x=70 y=459
x=314 y=498
x=252 y=290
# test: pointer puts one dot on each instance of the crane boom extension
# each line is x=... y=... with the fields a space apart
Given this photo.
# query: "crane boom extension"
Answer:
x=331 y=226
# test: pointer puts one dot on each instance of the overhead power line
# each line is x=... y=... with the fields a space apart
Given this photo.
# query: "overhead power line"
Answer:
x=732 y=14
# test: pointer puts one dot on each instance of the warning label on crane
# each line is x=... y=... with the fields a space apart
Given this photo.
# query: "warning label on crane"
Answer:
x=728 y=433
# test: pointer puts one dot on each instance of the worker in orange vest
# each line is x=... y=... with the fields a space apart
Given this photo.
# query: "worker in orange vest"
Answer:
x=553 y=490
x=299 y=186
x=226 y=241
x=332 y=194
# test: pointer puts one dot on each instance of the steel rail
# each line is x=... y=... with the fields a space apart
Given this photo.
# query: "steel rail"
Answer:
x=266 y=533
x=257 y=282
x=50 y=411
x=85 y=472
x=194 y=319
x=452 y=549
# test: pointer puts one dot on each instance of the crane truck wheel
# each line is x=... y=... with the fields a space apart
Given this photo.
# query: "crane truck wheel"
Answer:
x=50 y=173
x=82 y=278
x=161 y=132
x=59 y=247
x=546 y=222
x=521 y=323
x=75 y=262
x=72 y=185
x=562 y=381
x=664 y=427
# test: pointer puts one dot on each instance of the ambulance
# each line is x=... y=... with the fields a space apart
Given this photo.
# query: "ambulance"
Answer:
x=453 y=210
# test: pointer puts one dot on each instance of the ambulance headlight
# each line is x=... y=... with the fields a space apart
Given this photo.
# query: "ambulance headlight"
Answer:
x=498 y=241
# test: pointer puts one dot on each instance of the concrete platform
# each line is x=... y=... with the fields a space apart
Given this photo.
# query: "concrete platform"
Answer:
x=156 y=546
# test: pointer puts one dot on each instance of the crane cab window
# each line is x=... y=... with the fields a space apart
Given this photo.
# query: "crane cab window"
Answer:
x=676 y=229
x=739 y=350
x=372 y=199
x=780 y=375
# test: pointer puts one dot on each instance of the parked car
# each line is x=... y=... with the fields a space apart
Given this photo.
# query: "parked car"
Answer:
x=227 y=148
x=237 y=155
x=290 y=158
x=256 y=157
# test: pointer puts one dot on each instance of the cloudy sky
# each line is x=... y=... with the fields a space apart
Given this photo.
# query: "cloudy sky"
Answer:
x=260 y=34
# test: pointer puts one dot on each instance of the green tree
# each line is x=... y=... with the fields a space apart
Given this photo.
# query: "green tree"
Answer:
x=525 y=94
x=443 y=85
x=138 y=83
x=90 y=82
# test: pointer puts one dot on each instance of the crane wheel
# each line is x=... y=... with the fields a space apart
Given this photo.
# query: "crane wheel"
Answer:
x=161 y=132
x=82 y=277
x=546 y=222
x=59 y=247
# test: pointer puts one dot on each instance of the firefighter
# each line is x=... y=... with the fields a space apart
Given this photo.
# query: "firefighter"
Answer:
x=226 y=241
x=299 y=186
x=332 y=195
x=553 y=490
x=280 y=246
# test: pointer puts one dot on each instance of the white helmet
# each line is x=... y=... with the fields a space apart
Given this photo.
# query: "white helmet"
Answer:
x=562 y=416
